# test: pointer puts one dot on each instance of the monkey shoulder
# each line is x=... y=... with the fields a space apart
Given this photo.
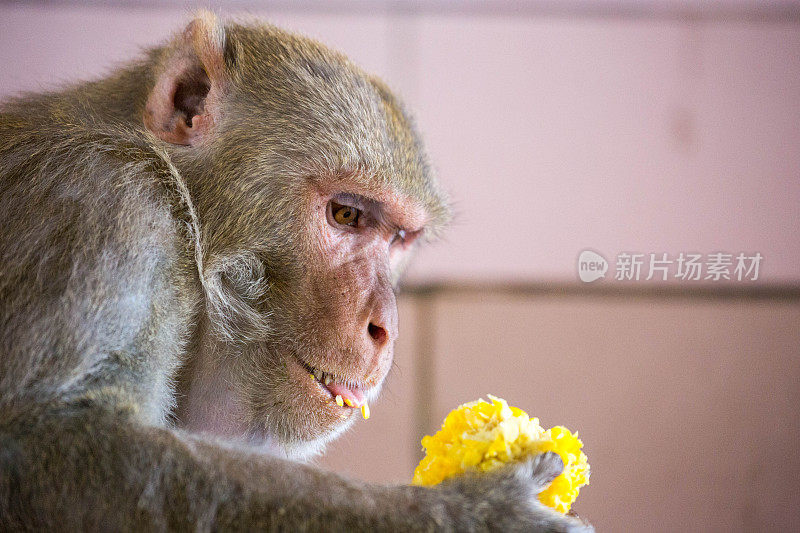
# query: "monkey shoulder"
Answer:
x=94 y=270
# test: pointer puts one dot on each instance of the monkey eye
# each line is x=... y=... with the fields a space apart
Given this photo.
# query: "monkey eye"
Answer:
x=345 y=215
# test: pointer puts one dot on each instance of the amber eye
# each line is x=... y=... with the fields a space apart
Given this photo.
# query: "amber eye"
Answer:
x=345 y=215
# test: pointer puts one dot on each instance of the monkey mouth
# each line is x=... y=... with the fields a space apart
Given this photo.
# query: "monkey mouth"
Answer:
x=343 y=392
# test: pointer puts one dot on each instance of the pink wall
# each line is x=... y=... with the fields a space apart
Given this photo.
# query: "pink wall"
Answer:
x=620 y=135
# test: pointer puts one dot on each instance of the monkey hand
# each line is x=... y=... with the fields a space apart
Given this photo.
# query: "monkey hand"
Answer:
x=506 y=499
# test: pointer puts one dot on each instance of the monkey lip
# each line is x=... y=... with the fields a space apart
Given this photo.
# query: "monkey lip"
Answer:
x=351 y=393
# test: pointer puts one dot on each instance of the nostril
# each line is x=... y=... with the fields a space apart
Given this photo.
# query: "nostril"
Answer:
x=377 y=333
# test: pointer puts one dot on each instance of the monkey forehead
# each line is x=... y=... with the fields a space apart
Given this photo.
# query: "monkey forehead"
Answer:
x=313 y=112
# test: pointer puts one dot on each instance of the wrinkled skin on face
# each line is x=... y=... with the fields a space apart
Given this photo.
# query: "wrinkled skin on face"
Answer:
x=307 y=230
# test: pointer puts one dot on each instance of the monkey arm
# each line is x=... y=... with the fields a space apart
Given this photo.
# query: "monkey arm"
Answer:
x=81 y=467
x=85 y=468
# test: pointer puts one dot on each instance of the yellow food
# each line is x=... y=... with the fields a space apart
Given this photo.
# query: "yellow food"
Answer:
x=481 y=436
x=365 y=411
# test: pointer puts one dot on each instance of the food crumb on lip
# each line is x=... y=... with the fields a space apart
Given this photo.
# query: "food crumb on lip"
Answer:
x=325 y=380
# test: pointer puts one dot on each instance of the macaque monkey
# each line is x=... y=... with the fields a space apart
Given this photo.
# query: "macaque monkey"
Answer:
x=198 y=254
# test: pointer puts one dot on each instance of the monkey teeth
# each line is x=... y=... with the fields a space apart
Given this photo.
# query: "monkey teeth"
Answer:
x=322 y=377
x=342 y=393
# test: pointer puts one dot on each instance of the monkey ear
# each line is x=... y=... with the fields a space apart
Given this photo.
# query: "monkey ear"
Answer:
x=190 y=83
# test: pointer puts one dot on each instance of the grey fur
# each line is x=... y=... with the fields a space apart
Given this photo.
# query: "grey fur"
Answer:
x=125 y=260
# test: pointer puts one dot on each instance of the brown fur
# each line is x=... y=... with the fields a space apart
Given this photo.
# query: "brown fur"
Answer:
x=168 y=260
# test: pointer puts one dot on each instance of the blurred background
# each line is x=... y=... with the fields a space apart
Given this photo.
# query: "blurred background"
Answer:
x=559 y=126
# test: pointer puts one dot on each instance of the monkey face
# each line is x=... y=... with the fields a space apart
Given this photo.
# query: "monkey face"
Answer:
x=335 y=324
x=312 y=188
x=325 y=267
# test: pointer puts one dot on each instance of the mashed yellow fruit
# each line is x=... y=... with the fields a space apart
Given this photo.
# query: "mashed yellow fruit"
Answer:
x=482 y=436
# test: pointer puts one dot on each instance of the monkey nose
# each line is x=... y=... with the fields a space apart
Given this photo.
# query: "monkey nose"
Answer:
x=382 y=328
x=381 y=319
x=378 y=334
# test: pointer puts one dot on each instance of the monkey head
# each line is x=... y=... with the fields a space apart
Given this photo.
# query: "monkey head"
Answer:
x=311 y=189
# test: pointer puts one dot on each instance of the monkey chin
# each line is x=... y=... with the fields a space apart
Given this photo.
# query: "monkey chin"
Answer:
x=308 y=420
